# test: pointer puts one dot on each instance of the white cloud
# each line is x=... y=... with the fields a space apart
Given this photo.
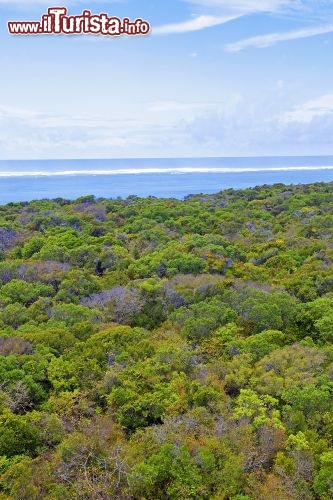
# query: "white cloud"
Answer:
x=232 y=127
x=31 y=118
x=25 y=133
x=274 y=38
x=8 y=113
x=306 y=130
x=306 y=9
x=217 y=12
x=195 y=24
x=221 y=12
x=243 y=6
x=171 y=106
x=310 y=110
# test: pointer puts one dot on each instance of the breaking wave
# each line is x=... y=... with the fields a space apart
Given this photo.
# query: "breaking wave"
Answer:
x=157 y=170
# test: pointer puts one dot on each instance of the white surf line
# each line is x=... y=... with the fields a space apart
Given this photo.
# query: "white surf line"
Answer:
x=159 y=170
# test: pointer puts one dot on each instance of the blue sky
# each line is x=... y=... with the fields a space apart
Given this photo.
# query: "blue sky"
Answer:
x=214 y=78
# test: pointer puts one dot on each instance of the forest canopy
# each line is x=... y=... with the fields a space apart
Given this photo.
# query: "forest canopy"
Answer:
x=164 y=349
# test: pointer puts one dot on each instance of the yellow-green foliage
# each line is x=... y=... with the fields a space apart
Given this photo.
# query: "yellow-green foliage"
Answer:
x=164 y=349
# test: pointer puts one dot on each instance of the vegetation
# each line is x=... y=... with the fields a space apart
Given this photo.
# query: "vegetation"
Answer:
x=162 y=349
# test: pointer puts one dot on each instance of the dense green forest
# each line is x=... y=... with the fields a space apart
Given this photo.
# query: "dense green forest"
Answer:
x=164 y=349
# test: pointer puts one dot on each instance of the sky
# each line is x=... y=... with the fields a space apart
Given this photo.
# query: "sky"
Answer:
x=213 y=78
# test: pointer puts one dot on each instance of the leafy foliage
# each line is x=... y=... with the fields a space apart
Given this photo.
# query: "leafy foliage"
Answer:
x=165 y=349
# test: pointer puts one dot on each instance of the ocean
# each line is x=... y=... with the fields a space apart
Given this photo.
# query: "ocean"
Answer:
x=26 y=180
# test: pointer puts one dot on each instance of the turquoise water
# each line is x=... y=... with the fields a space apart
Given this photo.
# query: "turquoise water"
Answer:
x=175 y=177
